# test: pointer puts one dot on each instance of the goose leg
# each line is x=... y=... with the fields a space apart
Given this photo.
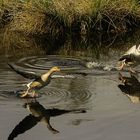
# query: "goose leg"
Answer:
x=25 y=94
x=122 y=66
x=33 y=94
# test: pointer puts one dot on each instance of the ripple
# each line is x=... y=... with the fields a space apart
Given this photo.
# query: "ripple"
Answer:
x=39 y=64
x=7 y=95
x=58 y=97
x=45 y=63
x=82 y=96
x=55 y=97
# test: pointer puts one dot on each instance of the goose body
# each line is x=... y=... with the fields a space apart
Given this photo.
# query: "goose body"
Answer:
x=39 y=81
x=131 y=57
x=43 y=80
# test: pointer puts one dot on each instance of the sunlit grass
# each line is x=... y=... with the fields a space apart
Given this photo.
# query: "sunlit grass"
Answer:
x=34 y=16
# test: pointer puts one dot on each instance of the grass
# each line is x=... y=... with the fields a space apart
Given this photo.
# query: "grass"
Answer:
x=60 y=17
x=43 y=16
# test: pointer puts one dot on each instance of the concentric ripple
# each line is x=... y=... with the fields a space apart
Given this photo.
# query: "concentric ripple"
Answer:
x=82 y=96
x=55 y=96
x=44 y=63
x=39 y=64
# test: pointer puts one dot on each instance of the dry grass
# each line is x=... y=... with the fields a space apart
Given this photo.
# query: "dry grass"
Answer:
x=70 y=10
x=121 y=14
x=29 y=22
x=39 y=16
x=54 y=17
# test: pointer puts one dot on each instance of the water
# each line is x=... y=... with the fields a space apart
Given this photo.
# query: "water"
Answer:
x=82 y=103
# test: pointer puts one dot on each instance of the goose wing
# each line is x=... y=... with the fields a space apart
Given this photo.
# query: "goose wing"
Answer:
x=131 y=50
x=24 y=73
x=128 y=57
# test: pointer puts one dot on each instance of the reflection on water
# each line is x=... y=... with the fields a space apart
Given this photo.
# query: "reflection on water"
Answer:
x=130 y=87
x=38 y=113
x=98 y=46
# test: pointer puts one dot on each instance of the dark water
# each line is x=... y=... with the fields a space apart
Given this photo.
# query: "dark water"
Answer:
x=87 y=104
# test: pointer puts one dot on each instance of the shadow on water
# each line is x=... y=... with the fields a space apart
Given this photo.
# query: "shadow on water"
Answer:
x=38 y=113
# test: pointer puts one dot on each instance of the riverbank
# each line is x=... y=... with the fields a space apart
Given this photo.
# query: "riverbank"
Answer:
x=21 y=19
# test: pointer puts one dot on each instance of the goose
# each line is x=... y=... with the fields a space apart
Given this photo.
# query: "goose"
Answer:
x=39 y=81
x=130 y=58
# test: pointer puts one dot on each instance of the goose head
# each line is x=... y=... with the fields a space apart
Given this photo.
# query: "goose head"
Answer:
x=54 y=69
x=45 y=76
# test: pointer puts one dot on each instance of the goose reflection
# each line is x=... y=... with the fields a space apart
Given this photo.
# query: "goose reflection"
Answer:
x=38 y=113
x=130 y=86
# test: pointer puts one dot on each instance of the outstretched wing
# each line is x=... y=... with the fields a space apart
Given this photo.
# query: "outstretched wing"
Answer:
x=24 y=73
x=33 y=75
x=127 y=57
x=27 y=123
x=131 y=50
x=129 y=54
